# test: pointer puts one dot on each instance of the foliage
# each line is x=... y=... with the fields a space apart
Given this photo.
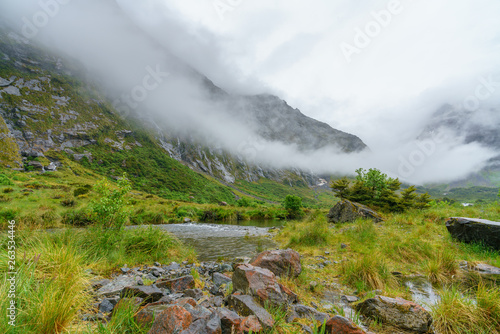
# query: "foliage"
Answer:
x=374 y=188
x=293 y=204
x=109 y=210
x=5 y=181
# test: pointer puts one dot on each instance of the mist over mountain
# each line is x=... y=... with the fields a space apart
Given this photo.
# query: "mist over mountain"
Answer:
x=217 y=84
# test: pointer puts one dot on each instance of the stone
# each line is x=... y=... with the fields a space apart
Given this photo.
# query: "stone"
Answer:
x=185 y=300
x=346 y=211
x=205 y=326
x=282 y=263
x=397 y=312
x=221 y=279
x=36 y=165
x=150 y=294
x=341 y=325
x=117 y=285
x=107 y=305
x=349 y=299
x=173 y=319
x=470 y=230
x=291 y=296
x=246 y=306
x=258 y=282
x=178 y=284
x=488 y=272
x=97 y=284
x=146 y=315
x=250 y=324
x=196 y=294
x=230 y=320
x=305 y=312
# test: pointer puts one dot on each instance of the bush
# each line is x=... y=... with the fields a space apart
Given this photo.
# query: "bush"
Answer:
x=293 y=204
x=373 y=188
x=8 y=190
x=68 y=202
x=77 y=218
x=5 y=181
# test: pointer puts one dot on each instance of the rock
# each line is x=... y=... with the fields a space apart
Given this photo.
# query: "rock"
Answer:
x=471 y=230
x=173 y=319
x=258 y=282
x=222 y=203
x=221 y=279
x=224 y=268
x=36 y=165
x=250 y=324
x=305 y=312
x=187 y=220
x=186 y=300
x=178 y=284
x=150 y=294
x=205 y=326
x=488 y=272
x=146 y=316
x=51 y=167
x=246 y=306
x=97 y=284
x=230 y=320
x=349 y=299
x=341 y=325
x=291 y=296
x=346 y=211
x=196 y=294
x=198 y=312
x=117 y=285
x=397 y=312
x=283 y=263
x=107 y=305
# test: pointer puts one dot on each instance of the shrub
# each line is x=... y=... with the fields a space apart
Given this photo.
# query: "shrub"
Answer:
x=70 y=202
x=80 y=191
x=77 y=218
x=5 y=181
x=8 y=190
x=293 y=204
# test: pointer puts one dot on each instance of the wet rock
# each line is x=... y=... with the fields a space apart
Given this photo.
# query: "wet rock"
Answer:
x=146 y=316
x=150 y=294
x=341 y=325
x=221 y=279
x=346 y=211
x=397 y=312
x=470 y=230
x=107 y=305
x=259 y=282
x=173 y=319
x=178 y=284
x=305 y=312
x=282 y=263
x=246 y=306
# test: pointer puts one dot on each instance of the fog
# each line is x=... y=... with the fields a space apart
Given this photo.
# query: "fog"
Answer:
x=382 y=85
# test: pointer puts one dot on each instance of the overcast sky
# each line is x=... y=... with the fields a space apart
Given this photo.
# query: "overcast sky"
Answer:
x=376 y=69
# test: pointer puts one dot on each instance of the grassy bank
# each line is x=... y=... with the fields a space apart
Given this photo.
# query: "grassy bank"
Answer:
x=367 y=256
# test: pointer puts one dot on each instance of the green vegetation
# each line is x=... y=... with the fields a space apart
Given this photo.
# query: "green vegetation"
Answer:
x=293 y=205
x=375 y=189
x=109 y=209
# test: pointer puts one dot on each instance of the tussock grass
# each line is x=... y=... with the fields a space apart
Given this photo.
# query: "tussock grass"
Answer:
x=369 y=272
x=458 y=313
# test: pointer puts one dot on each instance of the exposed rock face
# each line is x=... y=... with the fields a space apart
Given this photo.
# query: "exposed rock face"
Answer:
x=281 y=262
x=346 y=211
x=397 y=312
x=341 y=325
x=258 y=282
x=472 y=230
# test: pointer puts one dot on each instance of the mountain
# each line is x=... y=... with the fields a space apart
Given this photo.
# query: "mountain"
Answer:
x=465 y=127
x=52 y=109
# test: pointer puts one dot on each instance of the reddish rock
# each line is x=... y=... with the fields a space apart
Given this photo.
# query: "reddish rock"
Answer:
x=250 y=324
x=397 y=312
x=173 y=319
x=185 y=300
x=341 y=325
x=290 y=295
x=177 y=285
x=146 y=316
x=280 y=262
x=258 y=282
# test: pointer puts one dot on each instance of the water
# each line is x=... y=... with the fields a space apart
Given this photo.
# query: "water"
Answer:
x=214 y=241
x=422 y=292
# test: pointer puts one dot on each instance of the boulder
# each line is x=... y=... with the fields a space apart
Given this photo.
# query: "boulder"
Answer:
x=246 y=306
x=146 y=316
x=173 y=319
x=280 y=262
x=346 y=211
x=397 y=312
x=250 y=324
x=221 y=279
x=177 y=285
x=196 y=294
x=258 y=282
x=341 y=325
x=230 y=320
x=117 y=285
x=470 y=230
x=488 y=272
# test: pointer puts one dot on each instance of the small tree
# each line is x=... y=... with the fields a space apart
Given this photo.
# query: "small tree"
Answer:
x=109 y=210
x=293 y=204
